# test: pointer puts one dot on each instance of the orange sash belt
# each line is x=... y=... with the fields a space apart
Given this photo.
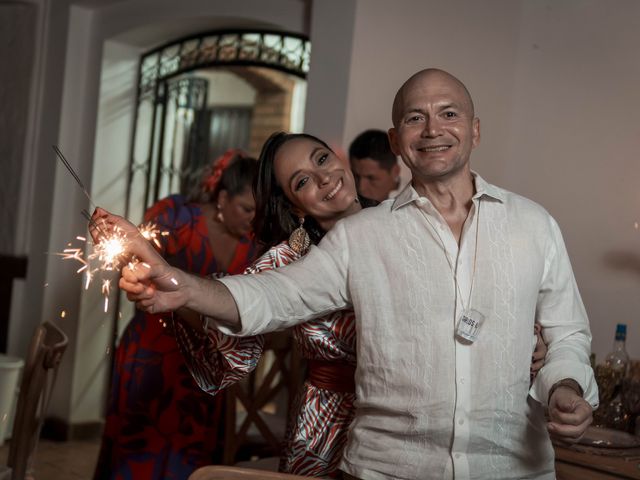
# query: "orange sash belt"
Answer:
x=331 y=375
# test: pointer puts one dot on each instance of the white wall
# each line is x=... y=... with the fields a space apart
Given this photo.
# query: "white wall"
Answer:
x=555 y=86
x=227 y=89
x=331 y=48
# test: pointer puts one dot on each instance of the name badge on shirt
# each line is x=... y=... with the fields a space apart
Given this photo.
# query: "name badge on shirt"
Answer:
x=469 y=325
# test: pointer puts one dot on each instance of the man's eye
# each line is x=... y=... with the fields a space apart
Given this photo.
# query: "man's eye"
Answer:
x=301 y=183
x=414 y=119
x=450 y=114
x=322 y=158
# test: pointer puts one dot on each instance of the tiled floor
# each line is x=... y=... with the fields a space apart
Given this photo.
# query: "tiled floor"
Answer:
x=76 y=460
x=62 y=460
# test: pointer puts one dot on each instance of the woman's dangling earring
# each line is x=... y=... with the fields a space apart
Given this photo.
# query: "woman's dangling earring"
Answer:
x=219 y=215
x=299 y=240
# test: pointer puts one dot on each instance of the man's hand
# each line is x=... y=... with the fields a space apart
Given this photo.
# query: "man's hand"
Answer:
x=569 y=414
x=148 y=279
x=155 y=288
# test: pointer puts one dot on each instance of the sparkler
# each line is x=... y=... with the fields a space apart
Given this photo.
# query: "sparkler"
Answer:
x=110 y=253
x=73 y=173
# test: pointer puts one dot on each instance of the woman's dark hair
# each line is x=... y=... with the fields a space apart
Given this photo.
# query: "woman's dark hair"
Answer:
x=274 y=220
x=238 y=175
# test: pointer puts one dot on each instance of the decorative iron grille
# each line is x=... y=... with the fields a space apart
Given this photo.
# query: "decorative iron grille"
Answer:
x=286 y=52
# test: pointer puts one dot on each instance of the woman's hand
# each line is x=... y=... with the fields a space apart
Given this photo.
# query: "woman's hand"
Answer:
x=537 y=359
x=104 y=224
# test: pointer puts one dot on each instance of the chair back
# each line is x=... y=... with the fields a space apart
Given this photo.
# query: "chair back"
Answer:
x=284 y=373
x=236 y=473
x=41 y=366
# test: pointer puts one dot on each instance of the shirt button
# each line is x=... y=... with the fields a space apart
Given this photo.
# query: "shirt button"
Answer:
x=461 y=421
x=461 y=380
x=457 y=456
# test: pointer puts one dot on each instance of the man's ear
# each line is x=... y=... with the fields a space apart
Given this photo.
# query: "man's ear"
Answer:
x=475 y=138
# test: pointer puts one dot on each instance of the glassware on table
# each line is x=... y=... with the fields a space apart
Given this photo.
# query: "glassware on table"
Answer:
x=631 y=394
x=618 y=358
x=607 y=379
x=610 y=413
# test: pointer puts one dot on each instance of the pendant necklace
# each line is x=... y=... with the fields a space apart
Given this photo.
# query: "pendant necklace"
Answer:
x=470 y=321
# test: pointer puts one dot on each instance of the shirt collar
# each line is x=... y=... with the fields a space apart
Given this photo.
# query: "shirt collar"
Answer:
x=483 y=189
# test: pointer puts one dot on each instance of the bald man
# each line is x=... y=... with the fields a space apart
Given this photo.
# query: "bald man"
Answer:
x=446 y=280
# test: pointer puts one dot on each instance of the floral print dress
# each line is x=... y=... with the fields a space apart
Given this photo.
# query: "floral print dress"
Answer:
x=159 y=423
x=321 y=416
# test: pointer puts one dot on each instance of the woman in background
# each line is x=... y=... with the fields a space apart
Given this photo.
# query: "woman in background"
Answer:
x=159 y=424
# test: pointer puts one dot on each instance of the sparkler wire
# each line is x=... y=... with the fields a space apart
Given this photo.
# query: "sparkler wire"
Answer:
x=73 y=173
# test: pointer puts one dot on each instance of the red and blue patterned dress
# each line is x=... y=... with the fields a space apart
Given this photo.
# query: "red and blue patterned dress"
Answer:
x=324 y=410
x=159 y=423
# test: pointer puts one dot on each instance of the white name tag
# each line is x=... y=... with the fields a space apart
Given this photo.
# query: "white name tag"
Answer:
x=469 y=325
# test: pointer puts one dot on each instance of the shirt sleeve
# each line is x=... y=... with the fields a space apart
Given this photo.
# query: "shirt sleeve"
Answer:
x=565 y=326
x=217 y=361
x=301 y=291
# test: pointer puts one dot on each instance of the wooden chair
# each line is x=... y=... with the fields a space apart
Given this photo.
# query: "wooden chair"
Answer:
x=236 y=473
x=240 y=439
x=41 y=366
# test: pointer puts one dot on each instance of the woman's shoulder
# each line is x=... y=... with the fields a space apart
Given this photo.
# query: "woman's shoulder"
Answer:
x=173 y=211
x=275 y=257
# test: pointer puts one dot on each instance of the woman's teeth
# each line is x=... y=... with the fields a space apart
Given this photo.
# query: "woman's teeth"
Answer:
x=333 y=192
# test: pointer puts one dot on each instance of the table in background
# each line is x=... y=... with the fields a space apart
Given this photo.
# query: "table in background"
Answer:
x=580 y=462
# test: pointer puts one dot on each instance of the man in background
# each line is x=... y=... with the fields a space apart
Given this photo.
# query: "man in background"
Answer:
x=374 y=165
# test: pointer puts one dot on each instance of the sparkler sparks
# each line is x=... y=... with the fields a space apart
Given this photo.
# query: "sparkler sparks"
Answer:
x=106 y=288
x=152 y=232
x=109 y=255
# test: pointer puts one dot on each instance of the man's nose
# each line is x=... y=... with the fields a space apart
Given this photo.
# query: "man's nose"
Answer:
x=432 y=127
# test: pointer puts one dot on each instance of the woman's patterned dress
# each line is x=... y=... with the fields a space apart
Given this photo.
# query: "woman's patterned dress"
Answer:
x=323 y=411
x=159 y=424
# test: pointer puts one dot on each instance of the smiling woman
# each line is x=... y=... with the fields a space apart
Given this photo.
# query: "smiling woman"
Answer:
x=302 y=189
x=301 y=179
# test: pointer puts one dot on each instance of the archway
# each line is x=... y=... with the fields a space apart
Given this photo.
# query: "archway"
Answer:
x=178 y=129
